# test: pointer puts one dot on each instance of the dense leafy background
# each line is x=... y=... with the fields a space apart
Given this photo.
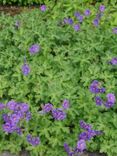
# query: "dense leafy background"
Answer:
x=64 y=68
x=33 y=2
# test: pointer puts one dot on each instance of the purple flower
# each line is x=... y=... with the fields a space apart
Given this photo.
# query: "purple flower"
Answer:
x=91 y=134
x=88 y=134
x=102 y=8
x=20 y=114
x=81 y=145
x=70 y=21
x=94 y=87
x=25 y=69
x=8 y=127
x=29 y=138
x=111 y=98
x=84 y=136
x=6 y=118
x=115 y=30
x=58 y=114
x=65 y=104
x=47 y=107
x=11 y=105
x=14 y=118
x=34 y=141
x=80 y=18
x=65 y=20
x=95 y=83
x=98 y=101
x=71 y=154
x=76 y=27
x=24 y=107
x=66 y=147
x=55 y=113
x=76 y=14
x=2 y=106
x=102 y=90
x=114 y=61
x=108 y=104
x=87 y=12
x=18 y=130
x=43 y=8
x=35 y=48
x=28 y=116
x=96 y=22
x=84 y=125
x=17 y=107
x=98 y=132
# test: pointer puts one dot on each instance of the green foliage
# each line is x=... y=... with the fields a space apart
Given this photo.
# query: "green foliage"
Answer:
x=25 y=2
x=63 y=69
x=20 y=2
x=31 y=2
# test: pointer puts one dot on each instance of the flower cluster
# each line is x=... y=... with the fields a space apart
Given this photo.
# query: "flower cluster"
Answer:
x=83 y=137
x=17 y=112
x=89 y=133
x=35 y=48
x=57 y=113
x=96 y=21
x=96 y=88
x=81 y=16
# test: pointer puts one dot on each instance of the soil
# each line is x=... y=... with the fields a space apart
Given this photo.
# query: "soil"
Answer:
x=14 y=10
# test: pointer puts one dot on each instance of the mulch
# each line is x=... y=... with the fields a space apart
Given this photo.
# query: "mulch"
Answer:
x=14 y=10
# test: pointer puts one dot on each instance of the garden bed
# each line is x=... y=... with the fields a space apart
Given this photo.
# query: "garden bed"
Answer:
x=58 y=76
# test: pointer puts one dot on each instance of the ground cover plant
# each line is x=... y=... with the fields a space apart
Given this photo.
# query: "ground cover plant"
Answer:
x=58 y=68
